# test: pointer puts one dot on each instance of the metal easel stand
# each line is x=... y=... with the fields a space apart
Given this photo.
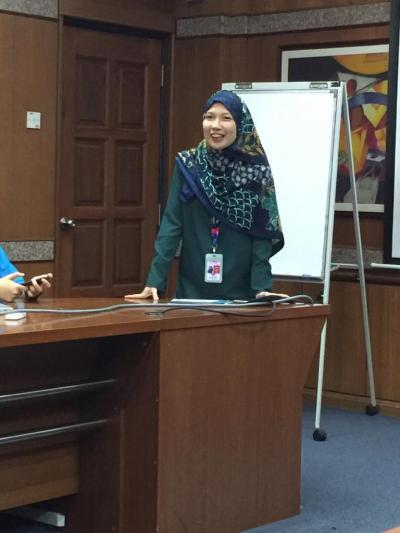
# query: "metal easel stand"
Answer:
x=372 y=408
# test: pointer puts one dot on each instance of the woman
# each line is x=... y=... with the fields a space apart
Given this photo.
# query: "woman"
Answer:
x=11 y=281
x=222 y=206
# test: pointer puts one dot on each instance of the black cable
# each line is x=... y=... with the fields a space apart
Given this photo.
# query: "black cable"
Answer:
x=218 y=311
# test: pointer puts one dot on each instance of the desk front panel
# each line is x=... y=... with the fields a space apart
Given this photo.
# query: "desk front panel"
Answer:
x=201 y=414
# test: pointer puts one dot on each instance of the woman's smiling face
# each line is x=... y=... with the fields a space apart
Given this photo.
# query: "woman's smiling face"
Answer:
x=219 y=127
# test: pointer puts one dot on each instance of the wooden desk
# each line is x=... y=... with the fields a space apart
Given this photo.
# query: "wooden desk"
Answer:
x=188 y=422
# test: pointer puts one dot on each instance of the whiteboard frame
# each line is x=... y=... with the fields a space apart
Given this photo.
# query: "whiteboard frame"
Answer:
x=316 y=87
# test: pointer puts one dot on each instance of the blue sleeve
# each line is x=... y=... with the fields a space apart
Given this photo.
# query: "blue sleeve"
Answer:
x=6 y=267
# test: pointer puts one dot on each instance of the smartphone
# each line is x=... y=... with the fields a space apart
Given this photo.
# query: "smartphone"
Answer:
x=39 y=280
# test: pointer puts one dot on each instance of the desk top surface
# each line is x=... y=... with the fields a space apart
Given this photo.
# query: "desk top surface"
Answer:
x=123 y=318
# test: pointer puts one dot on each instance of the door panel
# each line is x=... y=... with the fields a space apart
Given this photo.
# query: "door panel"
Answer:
x=108 y=183
x=90 y=272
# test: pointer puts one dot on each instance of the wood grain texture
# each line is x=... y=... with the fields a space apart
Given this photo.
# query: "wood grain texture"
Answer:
x=230 y=409
x=203 y=427
x=384 y=303
x=39 y=475
x=61 y=326
x=42 y=469
x=146 y=14
x=371 y=230
x=345 y=348
x=108 y=181
x=345 y=357
x=28 y=72
x=351 y=402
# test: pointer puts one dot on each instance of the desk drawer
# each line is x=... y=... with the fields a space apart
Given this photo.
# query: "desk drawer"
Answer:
x=32 y=475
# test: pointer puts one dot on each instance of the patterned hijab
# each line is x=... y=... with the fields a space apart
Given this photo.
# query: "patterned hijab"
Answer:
x=234 y=184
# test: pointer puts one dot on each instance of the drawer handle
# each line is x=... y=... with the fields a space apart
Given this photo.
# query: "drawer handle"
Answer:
x=52 y=431
x=57 y=391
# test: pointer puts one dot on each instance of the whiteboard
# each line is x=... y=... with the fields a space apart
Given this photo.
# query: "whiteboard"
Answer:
x=298 y=128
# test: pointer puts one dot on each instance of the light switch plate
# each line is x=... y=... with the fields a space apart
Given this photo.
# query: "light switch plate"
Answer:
x=33 y=120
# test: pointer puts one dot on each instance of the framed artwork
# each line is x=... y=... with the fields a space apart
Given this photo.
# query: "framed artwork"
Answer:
x=391 y=248
x=364 y=69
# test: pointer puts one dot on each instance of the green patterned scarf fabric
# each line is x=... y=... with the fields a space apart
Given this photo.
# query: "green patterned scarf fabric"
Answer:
x=235 y=184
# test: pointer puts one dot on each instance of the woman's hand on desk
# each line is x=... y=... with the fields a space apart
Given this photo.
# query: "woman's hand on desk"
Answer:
x=9 y=289
x=147 y=292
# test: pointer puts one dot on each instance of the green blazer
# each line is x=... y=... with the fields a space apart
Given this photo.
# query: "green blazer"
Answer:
x=246 y=267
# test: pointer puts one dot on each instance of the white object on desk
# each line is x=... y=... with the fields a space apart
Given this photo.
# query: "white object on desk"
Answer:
x=13 y=317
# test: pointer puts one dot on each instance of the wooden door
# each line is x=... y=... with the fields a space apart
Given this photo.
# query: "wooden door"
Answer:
x=109 y=160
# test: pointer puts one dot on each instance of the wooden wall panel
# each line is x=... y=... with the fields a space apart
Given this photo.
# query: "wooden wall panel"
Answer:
x=146 y=14
x=201 y=64
x=198 y=72
x=28 y=72
x=253 y=7
x=345 y=362
x=345 y=354
x=384 y=305
x=345 y=350
x=371 y=230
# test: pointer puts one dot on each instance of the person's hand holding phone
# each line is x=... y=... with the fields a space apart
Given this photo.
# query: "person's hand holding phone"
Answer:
x=36 y=285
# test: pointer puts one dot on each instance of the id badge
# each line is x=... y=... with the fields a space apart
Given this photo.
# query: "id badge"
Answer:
x=213 y=268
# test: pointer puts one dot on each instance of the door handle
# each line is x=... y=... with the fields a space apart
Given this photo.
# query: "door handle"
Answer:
x=67 y=223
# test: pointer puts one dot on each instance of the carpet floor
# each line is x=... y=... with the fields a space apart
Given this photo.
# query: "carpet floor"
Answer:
x=351 y=481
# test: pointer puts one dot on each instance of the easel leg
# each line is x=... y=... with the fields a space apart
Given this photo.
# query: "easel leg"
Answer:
x=319 y=434
x=372 y=408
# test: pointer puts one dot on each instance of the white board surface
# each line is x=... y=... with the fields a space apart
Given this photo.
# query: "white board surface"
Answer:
x=297 y=129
